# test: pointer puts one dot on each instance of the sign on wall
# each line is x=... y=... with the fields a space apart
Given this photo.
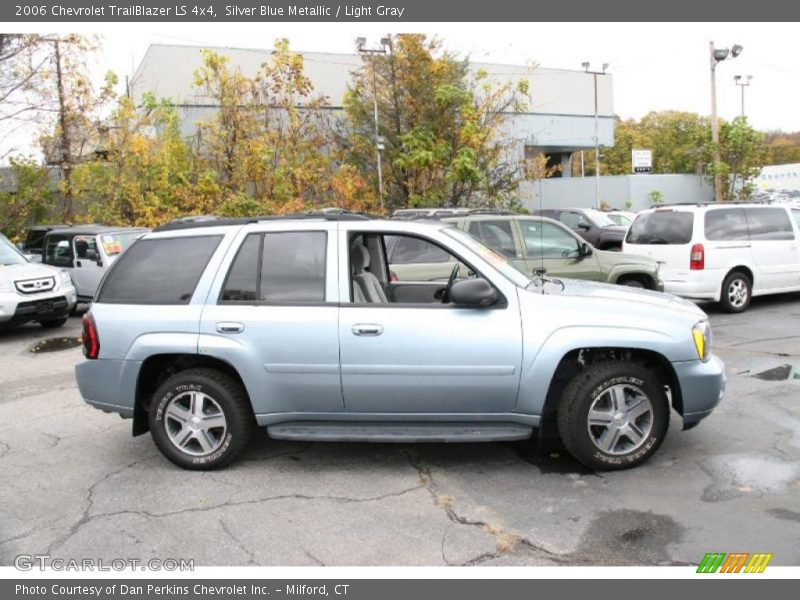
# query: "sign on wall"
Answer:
x=642 y=161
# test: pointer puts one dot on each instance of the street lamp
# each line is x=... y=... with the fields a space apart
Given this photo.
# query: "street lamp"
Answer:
x=385 y=43
x=594 y=74
x=742 y=82
x=717 y=55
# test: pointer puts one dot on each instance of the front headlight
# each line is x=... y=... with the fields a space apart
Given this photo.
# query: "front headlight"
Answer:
x=64 y=279
x=701 y=334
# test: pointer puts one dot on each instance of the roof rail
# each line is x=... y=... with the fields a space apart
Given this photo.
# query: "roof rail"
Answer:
x=327 y=214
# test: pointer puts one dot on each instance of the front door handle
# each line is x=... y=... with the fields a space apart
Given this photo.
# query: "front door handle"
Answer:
x=367 y=329
x=230 y=327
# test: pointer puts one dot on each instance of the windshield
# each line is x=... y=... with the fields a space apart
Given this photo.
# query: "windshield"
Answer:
x=117 y=243
x=599 y=218
x=498 y=261
x=9 y=255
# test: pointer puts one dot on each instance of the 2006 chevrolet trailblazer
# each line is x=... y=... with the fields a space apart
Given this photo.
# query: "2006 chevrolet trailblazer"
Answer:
x=202 y=330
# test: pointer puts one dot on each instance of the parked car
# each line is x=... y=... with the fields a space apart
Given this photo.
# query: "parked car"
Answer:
x=529 y=243
x=86 y=252
x=33 y=246
x=592 y=225
x=724 y=252
x=621 y=217
x=201 y=331
x=31 y=292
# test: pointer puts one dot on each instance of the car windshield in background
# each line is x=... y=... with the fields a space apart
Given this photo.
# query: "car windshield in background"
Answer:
x=600 y=219
x=516 y=275
x=117 y=243
x=10 y=255
x=662 y=227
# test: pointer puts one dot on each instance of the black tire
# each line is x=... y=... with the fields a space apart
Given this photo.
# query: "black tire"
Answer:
x=53 y=323
x=224 y=392
x=632 y=282
x=730 y=300
x=592 y=387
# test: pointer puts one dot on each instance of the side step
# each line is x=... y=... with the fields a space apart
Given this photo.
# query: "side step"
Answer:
x=342 y=431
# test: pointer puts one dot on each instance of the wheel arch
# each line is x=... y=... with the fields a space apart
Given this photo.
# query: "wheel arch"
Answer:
x=156 y=368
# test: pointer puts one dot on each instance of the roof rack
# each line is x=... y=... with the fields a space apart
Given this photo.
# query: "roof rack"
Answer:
x=417 y=214
x=325 y=214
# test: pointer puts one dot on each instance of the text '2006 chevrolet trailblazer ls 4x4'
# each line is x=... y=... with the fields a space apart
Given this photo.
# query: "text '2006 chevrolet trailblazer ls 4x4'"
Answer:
x=201 y=331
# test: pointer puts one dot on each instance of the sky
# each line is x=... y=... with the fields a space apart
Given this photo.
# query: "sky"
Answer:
x=656 y=66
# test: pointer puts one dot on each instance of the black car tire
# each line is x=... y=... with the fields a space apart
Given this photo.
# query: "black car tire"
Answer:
x=736 y=280
x=53 y=323
x=225 y=393
x=591 y=389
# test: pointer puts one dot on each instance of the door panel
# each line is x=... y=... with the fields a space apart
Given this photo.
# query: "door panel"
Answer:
x=430 y=360
x=88 y=272
x=774 y=247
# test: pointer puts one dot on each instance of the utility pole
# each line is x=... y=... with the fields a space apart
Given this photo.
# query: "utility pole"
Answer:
x=594 y=74
x=717 y=55
x=360 y=42
x=742 y=82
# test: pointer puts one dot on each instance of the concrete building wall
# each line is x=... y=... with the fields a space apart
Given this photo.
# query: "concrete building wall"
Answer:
x=615 y=190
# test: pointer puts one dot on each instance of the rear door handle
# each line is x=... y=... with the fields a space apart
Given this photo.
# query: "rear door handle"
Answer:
x=367 y=329
x=230 y=327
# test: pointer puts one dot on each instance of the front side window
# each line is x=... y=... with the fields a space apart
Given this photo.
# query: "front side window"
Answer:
x=85 y=247
x=278 y=268
x=159 y=271
x=546 y=240
x=407 y=250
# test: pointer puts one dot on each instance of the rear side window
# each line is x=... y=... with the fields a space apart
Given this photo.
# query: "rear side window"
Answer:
x=726 y=224
x=278 y=268
x=662 y=227
x=769 y=224
x=159 y=271
x=496 y=234
x=34 y=242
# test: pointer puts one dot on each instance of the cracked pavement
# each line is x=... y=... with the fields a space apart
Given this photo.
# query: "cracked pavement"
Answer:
x=76 y=484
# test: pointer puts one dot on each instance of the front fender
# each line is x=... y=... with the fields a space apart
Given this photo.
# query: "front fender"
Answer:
x=539 y=362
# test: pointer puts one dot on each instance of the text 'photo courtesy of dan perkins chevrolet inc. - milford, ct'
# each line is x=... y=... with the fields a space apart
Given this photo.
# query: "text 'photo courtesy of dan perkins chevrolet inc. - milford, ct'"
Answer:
x=355 y=11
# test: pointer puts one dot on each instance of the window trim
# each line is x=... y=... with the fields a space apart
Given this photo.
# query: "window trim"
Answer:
x=98 y=298
x=262 y=234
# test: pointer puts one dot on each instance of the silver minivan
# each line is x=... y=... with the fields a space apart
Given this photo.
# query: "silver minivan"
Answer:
x=86 y=252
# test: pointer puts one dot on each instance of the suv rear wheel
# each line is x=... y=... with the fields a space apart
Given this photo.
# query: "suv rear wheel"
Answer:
x=614 y=415
x=201 y=419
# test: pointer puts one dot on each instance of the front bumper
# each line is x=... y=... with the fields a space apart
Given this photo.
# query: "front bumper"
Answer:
x=16 y=309
x=702 y=387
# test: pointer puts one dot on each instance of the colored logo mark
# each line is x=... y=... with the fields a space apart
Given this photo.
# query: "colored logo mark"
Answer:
x=734 y=562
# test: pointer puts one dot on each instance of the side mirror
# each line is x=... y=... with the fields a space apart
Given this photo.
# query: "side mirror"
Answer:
x=20 y=246
x=584 y=225
x=476 y=293
x=585 y=250
x=91 y=255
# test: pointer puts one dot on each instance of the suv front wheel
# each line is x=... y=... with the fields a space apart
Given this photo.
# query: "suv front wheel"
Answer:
x=201 y=419
x=614 y=415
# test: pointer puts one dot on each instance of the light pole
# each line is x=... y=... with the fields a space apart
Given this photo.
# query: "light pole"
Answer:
x=385 y=42
x=717 y=55
x=742 y=82
x=594 y=74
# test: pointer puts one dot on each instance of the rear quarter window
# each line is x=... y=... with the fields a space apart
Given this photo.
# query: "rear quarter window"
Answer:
x=662 y=227
x=159 y=271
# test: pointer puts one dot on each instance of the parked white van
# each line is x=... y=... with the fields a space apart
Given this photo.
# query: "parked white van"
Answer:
x=725 y=252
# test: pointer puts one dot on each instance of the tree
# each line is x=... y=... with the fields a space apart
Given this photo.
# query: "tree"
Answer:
x=442 y=127
x=69 y=96
x=21 y=65
x=142 y=171
x=267 y=147
x=743 y=153
x=30 y=196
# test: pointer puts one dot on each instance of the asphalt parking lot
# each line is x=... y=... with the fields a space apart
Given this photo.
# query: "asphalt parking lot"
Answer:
x=75 y=484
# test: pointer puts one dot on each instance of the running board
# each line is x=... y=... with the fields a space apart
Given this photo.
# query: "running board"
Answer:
x=311 y=431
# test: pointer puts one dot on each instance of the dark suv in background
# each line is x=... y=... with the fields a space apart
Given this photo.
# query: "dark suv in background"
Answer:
x=591 y=224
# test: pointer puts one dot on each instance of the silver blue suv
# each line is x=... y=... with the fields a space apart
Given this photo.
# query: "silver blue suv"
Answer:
x=203 y=330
